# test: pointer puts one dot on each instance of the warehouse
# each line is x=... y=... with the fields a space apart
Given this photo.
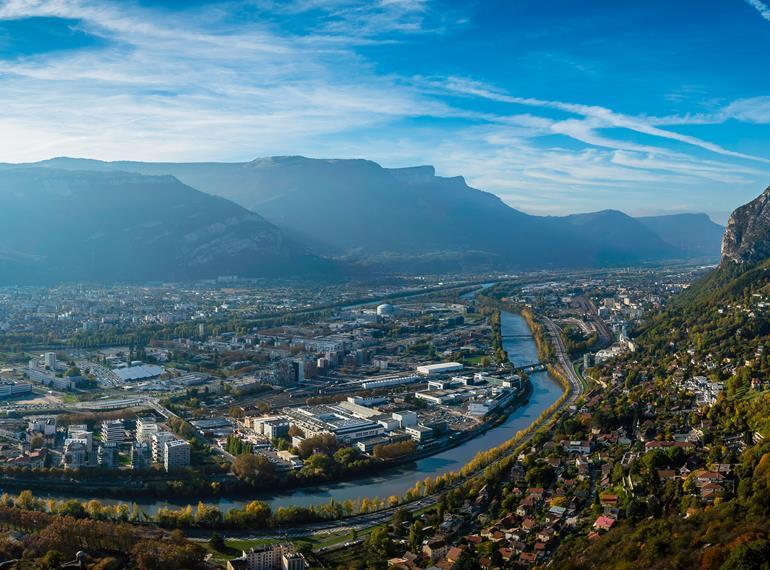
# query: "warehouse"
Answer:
x=441 y=368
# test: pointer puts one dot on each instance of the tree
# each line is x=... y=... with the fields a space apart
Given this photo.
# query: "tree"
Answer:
x=416 y=535
x=253 y=467
x=52 y=559
x=379 y=543
x=749 y=556
x=468 y=562
x=400 y=517
x=217 y=542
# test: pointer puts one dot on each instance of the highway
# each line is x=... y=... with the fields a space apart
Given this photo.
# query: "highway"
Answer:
x=562 y=356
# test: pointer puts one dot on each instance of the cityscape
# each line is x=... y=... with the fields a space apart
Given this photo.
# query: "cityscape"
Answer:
x=384 y=285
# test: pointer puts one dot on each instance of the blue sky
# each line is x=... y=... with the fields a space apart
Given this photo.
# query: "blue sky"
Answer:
x=557 y=106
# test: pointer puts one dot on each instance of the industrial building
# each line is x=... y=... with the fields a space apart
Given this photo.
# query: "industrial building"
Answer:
x=441 y=368
x=405 y=418
x=271 y=427
x=335 y=420
x=386 y=381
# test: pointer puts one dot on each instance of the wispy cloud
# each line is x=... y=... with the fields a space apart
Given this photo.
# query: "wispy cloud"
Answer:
x=760 y=7
x=200 y=84
x=595 y=118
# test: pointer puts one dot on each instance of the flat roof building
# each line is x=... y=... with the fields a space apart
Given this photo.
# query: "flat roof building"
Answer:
x=176 y=454
x=441 y=368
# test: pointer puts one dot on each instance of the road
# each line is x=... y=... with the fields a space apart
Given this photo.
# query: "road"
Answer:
x=562 y=356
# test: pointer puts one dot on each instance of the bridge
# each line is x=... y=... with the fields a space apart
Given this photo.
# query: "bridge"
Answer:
x=529 y=368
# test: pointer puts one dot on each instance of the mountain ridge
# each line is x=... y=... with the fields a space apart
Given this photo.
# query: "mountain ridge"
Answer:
x=128 y=227
x=357 y=210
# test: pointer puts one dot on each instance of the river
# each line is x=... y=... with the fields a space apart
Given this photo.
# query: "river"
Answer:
x=520 y=346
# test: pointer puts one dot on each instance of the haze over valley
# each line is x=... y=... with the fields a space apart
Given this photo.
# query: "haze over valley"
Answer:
x=294 y=216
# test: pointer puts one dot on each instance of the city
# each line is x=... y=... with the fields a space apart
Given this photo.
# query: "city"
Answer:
x=338 y=394
x=384 y=285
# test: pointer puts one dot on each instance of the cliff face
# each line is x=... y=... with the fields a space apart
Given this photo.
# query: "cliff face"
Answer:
x=747 y=236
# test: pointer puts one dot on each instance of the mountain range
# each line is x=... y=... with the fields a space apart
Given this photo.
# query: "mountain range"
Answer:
x=295 y=215
x=127 y=227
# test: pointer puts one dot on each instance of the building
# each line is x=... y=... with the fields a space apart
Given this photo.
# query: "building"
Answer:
x=387 y=381
x=80 y=431
x=49 y=360
x=10 y=389
x=141 y=372
x=419 y=433
x=386 y=310
x=435 y=549
x=75 y=453
x=441 y=368
x=158 y=441
x=176 y=454
x=293 y=561
x=145 y=428
x=140 y=455
x=43 y=425
x=334 y=420
x=49 y=379
x=113 y=431
x=271 y=427
x=405 y=418
x=270 y=557
x=107 y=455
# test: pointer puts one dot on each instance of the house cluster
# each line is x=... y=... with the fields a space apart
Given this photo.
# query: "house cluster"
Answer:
x=587 y=484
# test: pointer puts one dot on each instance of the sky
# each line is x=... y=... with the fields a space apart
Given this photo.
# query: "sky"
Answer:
x=557 y=106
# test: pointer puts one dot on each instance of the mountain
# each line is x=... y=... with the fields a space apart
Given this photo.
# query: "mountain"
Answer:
x=117 y=226
x=695 y=234
x=411 y=219
x=747 y=236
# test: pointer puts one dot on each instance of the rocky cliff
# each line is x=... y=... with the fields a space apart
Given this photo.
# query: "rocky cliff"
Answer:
x=747 y=236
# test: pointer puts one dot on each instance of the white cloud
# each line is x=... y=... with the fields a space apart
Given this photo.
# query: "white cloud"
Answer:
x=198 y=86
x=760 y=7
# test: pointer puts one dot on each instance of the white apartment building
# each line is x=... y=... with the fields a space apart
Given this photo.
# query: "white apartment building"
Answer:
x=274 y=557
x=75 y=453
x=113 y=431
x=158 y=441
x=145 y=428
x=176 y=454
x=80 y=431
